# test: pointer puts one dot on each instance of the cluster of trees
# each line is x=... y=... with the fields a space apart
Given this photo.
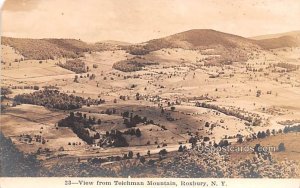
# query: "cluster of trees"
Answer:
x=4 y=92
x=80 y=118
x=295 y=128
x=128 y=66
x=132 y=131
x=123 y=97
x=132 y=121
x=90 y=76
x=288 y=67
x=133 y=64
x=80 y=125
x=55 y=99
x=182 y=148
x=75 y=65
x=109 y=111
x=129 y=155
x=26 y=87
x=137 y=50
x=114 y=138
x=36 y=138
x=286 y=129
x=236 y=113
x=268 y=132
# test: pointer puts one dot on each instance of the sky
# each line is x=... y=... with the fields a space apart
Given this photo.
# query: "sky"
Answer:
x=141 y=20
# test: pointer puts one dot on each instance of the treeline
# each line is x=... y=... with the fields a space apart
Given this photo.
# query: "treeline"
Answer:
x=256 y=121
x=76 y=65
x=55 y=99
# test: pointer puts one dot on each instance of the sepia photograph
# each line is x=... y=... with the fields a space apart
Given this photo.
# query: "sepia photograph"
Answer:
x=166 y=89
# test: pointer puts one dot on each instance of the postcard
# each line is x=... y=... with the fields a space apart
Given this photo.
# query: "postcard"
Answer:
x=140 y=93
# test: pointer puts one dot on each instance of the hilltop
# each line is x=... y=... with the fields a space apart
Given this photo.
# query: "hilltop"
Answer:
x=202 y=37
x=194 y=39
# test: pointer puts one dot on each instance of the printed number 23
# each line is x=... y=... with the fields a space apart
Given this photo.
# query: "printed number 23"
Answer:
x=68 y=182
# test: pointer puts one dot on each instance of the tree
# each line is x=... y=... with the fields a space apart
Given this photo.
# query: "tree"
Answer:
x=97 y=136
x=240 y=140
x=130 y=154
x=138 y=155
x=138 y=132
x=256 y=148
x=273 y=131
x=258 y=93
x=137 y=96
x=76 y=79
x=259 y=134
x=193 y=140
x=285 y=129
x=206 y=124
x=281 y=147
x=163 y=152
x=142 y=159
x=223 y=143
x=180 y=149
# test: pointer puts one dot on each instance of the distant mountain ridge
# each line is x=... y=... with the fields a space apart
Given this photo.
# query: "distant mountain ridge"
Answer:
x=277 y=35
x=280 y=40
x=191 y=39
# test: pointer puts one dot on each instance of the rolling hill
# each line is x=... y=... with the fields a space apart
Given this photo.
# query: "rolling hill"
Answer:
x=202 y=37
x=41 y=49
x=280 y=40
x=277 y=35
x=194 y=39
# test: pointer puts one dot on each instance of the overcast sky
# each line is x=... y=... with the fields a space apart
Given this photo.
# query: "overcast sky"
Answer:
x=141 y=20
